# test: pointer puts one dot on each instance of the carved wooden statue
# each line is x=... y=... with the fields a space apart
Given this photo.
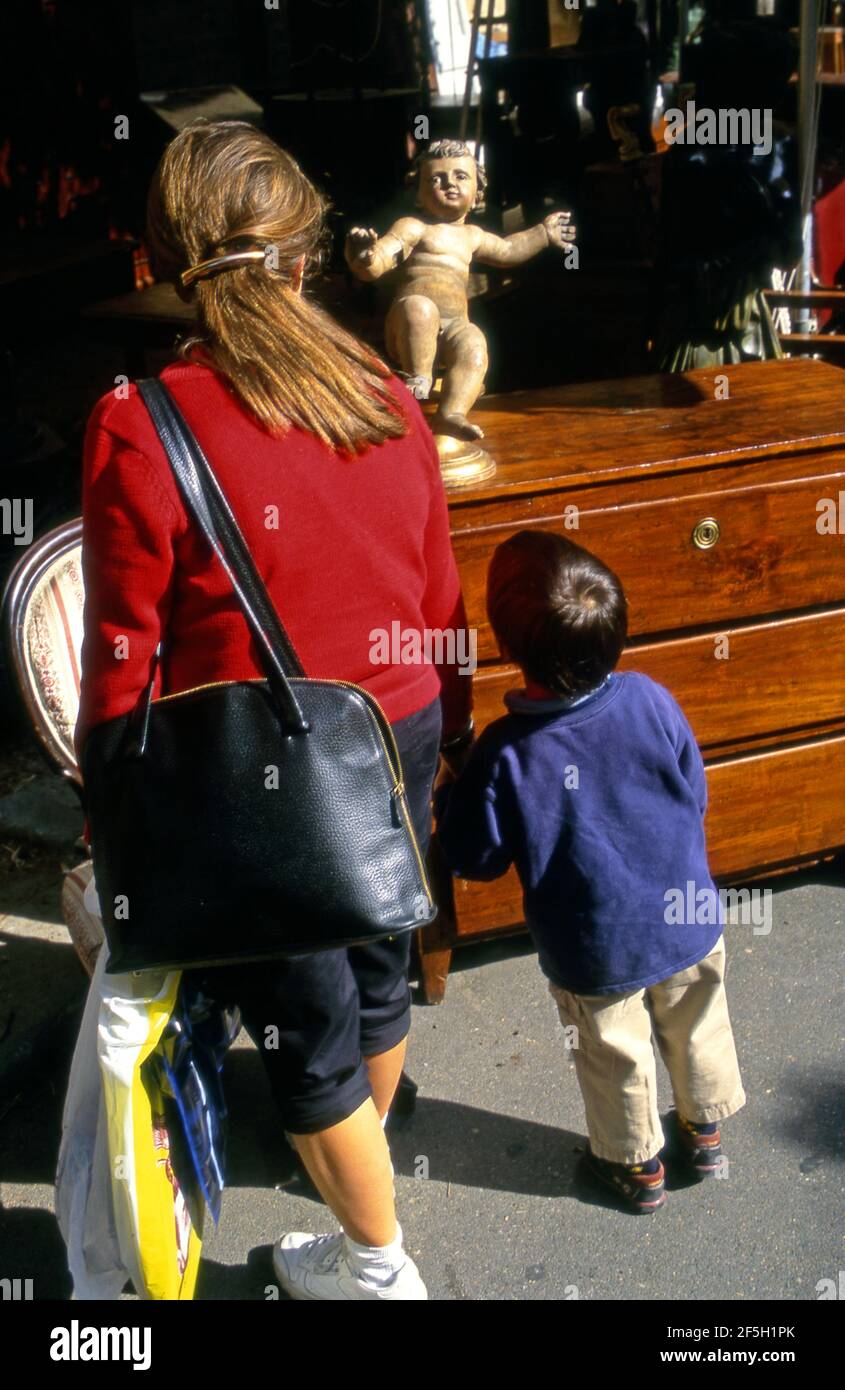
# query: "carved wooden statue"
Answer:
x=428 y=323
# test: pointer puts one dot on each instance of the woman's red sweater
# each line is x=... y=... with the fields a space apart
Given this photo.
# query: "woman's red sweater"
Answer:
x=347 y=546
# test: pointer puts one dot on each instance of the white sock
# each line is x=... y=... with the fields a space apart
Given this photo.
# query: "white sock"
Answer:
x=376 y=1264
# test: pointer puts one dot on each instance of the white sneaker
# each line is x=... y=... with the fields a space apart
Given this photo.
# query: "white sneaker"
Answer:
x=317 y=1267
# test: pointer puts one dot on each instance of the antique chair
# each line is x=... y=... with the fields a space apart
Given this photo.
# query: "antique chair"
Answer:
x=42 y=616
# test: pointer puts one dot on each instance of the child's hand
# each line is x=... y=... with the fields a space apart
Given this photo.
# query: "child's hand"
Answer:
x=453 y=764
x=445 y=775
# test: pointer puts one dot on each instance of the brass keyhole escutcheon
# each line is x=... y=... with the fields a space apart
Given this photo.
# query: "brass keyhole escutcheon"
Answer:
x=706 y=533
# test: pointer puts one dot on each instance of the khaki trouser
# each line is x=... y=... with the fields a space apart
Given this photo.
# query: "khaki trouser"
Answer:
x=687 y=1015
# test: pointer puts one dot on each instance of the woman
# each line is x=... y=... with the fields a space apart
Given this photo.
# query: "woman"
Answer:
x=334 y=479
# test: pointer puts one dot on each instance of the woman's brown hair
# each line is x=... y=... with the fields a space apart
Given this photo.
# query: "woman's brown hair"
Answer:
x=224 y=186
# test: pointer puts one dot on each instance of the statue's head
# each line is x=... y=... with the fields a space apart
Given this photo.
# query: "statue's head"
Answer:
x=449 y=182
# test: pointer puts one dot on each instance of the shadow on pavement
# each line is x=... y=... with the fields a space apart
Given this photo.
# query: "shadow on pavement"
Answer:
x=32 y=1248
x=813 y=1115
x=241 y=1283
x=449 y=1142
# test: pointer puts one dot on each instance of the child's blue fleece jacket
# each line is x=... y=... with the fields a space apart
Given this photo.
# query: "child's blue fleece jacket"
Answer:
x=600 y=807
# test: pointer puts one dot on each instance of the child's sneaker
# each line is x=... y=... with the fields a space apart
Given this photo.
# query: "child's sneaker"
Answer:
x=641 y=1185
x=700 y=1145
x=318 y=1268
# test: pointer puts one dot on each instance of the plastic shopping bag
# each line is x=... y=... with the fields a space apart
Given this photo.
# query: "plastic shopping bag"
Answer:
x=143 y=1131
x=84 y=1206
x=158 y=1218
x=185 y=1068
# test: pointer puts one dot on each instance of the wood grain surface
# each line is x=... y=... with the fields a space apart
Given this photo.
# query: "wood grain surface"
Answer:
x=613 y=429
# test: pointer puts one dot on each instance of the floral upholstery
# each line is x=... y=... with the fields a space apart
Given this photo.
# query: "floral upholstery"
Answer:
x=52 y=641
x=49 y=646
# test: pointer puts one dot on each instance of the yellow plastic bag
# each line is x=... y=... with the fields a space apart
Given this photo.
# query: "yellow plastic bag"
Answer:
x=160 y=1245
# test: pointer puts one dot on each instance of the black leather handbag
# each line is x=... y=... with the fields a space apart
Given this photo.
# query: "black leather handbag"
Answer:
x=246 y=820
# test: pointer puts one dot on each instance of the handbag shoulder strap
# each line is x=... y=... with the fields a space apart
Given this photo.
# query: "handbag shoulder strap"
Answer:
x=207 y=504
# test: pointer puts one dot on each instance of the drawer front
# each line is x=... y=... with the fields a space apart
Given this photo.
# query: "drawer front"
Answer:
x=769 y=556
x=776 y=808
x=766 y=811
x=484 y=908
x=738 y=684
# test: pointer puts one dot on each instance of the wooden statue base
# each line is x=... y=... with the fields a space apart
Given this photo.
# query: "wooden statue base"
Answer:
x=462 y=461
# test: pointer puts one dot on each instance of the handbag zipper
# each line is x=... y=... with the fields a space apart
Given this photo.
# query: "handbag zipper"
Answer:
x=381 y=720
x=399 y=787
x=209 y=685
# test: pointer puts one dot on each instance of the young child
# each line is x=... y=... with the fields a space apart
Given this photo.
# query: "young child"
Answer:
x=593 y=786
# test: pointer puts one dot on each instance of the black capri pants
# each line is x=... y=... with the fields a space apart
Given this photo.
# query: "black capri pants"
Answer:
x=314 y=1018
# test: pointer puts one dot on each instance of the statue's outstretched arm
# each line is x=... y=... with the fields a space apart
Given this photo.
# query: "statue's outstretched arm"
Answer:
x=555 y=230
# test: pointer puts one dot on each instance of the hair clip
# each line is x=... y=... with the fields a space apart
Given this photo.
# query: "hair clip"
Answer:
x=205 y=268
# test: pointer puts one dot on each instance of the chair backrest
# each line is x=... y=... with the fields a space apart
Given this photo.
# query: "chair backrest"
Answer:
x=42 y=618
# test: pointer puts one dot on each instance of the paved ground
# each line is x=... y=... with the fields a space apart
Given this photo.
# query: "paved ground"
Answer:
x=502 y=1213
x=42 y=984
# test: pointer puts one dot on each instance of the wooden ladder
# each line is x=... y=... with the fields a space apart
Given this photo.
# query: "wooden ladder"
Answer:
x=829 y=346
x=480 y=21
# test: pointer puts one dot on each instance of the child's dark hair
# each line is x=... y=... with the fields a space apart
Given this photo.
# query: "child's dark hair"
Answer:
x=557 y=611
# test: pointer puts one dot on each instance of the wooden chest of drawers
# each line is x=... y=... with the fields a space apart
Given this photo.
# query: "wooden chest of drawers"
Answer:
x=719 y=499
